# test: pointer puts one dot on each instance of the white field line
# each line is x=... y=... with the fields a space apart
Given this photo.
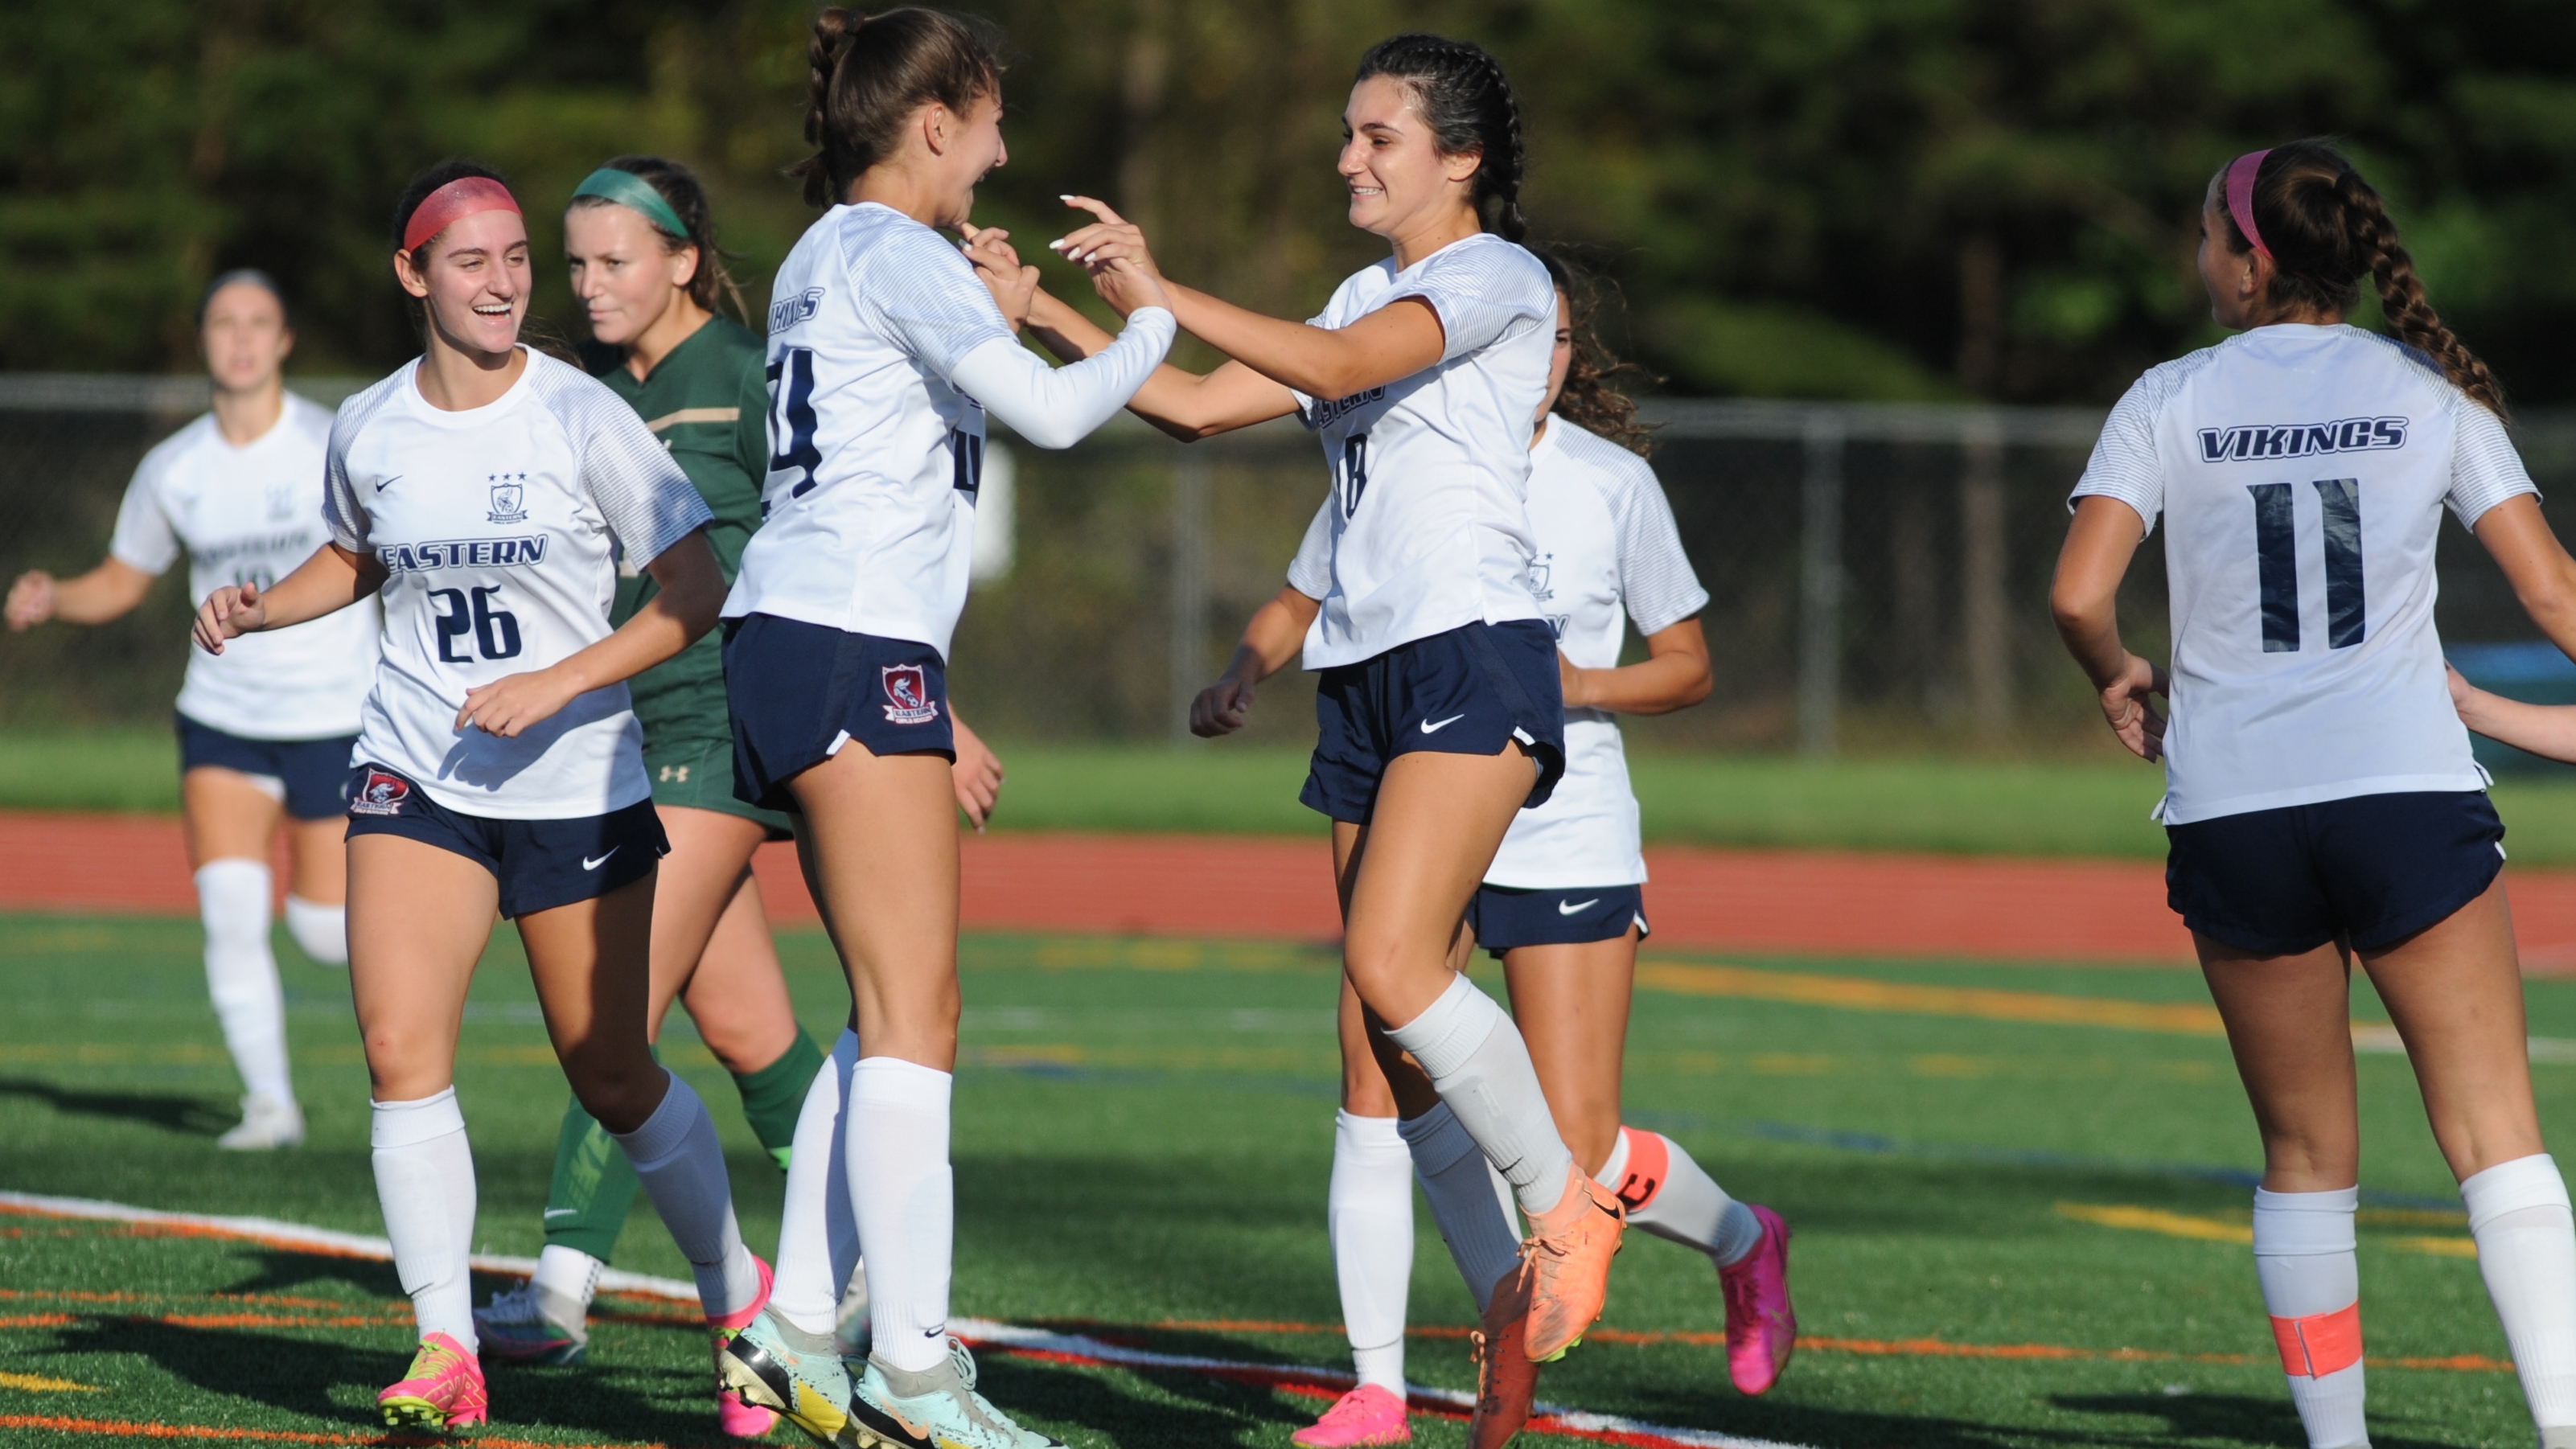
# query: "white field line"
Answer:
x=1546 y=1418
x=2383 y=1041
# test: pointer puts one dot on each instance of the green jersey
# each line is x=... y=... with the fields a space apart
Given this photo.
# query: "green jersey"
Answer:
x=709 y=404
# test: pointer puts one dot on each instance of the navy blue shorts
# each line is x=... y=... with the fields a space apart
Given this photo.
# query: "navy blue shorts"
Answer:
x=1506 y=916
x=314 y=772
x=1473 y=690
x=798 y=692
x=2369 y=871
x=541 y=864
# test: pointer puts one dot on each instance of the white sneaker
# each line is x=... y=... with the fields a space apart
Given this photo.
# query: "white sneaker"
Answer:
x=266 y=1124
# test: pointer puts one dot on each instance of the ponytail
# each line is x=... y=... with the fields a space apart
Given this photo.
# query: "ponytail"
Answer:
x=867 y=74
x=1472 y=111
x=2325 y=228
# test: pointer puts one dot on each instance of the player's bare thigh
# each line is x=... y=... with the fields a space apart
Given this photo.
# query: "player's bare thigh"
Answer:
x=227 y=816
x=419 y=918
x=1433 y=831
x=880 y=846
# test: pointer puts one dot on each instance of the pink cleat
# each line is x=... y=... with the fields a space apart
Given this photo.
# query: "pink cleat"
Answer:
x=1761 y=1327
x=1365 y=1415
x=734 y=1417
x=443 y=1389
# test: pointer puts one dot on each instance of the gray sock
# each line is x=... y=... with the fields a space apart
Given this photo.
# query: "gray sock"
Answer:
x=1481 y=1068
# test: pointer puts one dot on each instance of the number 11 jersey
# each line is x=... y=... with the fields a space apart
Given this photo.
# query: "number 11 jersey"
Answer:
x=499 y=529
x=2302 y=472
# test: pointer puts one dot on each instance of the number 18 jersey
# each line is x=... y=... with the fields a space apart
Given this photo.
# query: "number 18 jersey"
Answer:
x=2302 y=472
x=499 y=529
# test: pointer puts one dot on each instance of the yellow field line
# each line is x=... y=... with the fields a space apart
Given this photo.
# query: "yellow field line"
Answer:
x=39 y=1384
x=2224 y=1230
x=1858 y=993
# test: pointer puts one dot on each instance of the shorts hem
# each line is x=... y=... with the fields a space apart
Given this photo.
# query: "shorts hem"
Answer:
x=2427 y=917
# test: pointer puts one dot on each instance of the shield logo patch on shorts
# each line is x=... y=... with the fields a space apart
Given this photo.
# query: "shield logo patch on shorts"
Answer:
x=907 y=690
x=380 y=792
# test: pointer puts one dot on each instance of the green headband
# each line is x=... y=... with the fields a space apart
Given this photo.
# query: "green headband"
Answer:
x=635 y=193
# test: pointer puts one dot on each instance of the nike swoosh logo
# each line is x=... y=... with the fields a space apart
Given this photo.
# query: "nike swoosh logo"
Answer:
x=1567 y=908
x=563 y=1212
x=388 y=483
x=589 y=864
x=1429 y=728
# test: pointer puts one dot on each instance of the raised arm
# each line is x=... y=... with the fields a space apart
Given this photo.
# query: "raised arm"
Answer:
x=692 y=594
x=331 y=580
x=1187 y=405
x=107 y=592
x=1273 y=637
x=1673 y=675
x=2085 y=600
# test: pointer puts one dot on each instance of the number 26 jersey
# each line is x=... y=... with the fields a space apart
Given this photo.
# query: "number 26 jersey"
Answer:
x=2302 y=472
x=499 y=530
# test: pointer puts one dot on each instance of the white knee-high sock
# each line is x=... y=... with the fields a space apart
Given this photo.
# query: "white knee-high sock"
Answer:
x=907 y=1206
x=1469 y=1200
x=818 y=1234
x=1370 y=1212
x=425 y=1184
x=1481 y=1068
x=2527 y=1253
x=241 y=974
x=1670 y=1195
x=676 y=1153
x=2303 y=1254
x=320 y=931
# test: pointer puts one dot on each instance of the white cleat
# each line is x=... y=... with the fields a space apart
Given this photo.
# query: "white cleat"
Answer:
x=266 y=1124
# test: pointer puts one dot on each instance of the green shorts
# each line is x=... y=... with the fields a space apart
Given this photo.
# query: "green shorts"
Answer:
x=698 y=775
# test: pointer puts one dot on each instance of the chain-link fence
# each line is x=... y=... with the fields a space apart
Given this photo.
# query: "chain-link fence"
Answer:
x=1878 y=574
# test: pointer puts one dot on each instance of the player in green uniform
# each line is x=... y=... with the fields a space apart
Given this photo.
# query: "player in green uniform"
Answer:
x=644 y=262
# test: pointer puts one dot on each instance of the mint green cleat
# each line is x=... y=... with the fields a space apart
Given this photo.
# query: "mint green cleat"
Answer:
x=777 y=1366
x=937 y=1408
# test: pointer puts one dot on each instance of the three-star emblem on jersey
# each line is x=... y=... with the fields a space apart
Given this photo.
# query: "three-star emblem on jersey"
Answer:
x=509 y=497
x=907 y=691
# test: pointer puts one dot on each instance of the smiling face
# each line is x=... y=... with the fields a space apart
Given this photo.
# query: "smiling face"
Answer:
x=624 y=270
x=1398 y=178
x=245 y=337
x=961 y=151
x=475 y=281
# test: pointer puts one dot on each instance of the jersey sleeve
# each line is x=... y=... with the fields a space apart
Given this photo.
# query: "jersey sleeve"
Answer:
x=648 y=502
x=1480 y=291
x=1311 y=571
x=2124 y=464
x=342 y=511
x=926 y=298
x=2485 y=469
x=144 y=538
x=1656 y=580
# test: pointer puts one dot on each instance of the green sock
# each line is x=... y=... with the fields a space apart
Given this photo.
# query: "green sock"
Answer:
x=773 y=1096
x=594 y=1185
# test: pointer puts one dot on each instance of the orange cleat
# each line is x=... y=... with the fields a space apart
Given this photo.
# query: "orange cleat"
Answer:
x=1566 y=1263
x=1506 y=1379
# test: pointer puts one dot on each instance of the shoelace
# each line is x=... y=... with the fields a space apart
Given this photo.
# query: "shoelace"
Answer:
x=434 y=1360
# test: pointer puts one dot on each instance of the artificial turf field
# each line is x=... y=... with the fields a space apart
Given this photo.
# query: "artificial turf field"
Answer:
x=2020 y=1197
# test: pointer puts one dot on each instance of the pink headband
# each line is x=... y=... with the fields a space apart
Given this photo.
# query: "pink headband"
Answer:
x=2240 y=197
x=452 y=203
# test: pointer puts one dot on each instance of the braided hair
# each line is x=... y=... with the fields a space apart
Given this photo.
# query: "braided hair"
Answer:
x=712 y=285
x=1467 y=101
x=1589 y=401
x=867 y=74
x=2325 y=227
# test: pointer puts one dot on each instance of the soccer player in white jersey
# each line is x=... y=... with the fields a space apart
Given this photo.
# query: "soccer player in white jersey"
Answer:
x=1562 y=907
x=1440 y=706
x=2320 y=797
x=265 y=730
x=886 y=349
x=485 y=491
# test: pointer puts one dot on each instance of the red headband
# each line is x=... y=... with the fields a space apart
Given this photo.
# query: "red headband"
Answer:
x=452 y=203
x=2240 y=197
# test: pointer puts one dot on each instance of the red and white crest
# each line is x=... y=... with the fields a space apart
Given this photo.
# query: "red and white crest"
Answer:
x=907 y=690
x=380 y=793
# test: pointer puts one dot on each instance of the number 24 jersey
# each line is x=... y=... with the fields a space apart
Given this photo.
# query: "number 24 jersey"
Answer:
x=499 y=529
x=2302 y=472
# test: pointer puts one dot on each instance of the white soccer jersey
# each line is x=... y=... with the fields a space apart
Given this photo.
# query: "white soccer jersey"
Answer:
x=499 y=528
x=1428 y=528
x=243 y=515
x=2303 y=471
x=869 y=506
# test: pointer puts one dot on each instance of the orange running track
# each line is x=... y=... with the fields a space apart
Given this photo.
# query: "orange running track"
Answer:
x=1768 y=902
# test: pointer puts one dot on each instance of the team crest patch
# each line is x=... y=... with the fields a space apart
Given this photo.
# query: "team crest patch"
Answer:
x=509 y=498
x=380 y=793
x=908 y=700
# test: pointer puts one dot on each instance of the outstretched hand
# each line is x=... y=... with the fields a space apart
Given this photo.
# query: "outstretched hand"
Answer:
x=228 y=613
x=1113 y=251
x=2131 y=717
x=998 y=264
